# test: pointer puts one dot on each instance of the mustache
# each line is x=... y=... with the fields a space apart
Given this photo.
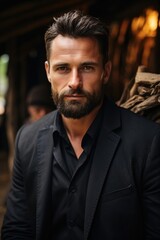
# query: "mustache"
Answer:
x=74 y=91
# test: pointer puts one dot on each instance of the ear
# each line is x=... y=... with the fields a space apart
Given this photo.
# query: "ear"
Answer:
x=107 y=71
x=47 y=68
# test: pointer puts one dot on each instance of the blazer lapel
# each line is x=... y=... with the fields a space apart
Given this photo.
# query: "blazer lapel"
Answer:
x=106 y=147
x=44 y=170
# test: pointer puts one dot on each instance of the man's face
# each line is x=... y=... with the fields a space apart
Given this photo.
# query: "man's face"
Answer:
x=77 y=75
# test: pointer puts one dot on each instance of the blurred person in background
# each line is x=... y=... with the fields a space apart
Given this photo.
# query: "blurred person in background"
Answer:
x=39 y=102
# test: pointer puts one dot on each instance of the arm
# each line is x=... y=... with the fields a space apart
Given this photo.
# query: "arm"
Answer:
x=151 y=192
x=16 y=224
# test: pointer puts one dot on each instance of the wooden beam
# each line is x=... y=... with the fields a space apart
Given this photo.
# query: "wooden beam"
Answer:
x=28 y=17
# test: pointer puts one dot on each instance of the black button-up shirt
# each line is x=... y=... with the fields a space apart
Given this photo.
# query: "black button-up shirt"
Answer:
x=69 y=181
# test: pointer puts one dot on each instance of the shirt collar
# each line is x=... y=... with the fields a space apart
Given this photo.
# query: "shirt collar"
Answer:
x=58 y=129
x=91 y=132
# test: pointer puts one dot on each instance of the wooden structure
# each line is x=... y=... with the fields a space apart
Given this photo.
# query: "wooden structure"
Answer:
x=142 y=95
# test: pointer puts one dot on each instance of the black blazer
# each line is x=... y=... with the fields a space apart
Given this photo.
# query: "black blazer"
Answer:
x=123 y=196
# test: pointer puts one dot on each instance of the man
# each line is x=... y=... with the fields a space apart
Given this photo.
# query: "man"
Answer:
x=89 y=170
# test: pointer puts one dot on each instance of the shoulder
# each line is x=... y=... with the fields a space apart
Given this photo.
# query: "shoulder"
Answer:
x=29 y=132
x=136 y=122
x=130 y=124
x=138 y=133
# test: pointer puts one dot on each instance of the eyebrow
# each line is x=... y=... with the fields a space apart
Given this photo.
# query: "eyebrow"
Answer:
x=60 y=64
x=81 y=64
x=89 y=63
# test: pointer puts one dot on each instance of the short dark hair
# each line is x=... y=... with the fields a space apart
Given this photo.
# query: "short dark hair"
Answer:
x=76 y=24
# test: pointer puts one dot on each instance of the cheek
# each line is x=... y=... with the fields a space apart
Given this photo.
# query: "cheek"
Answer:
x=58 y=85
x=94 y=87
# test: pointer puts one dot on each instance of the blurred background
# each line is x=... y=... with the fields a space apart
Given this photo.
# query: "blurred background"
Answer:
x=134 y=41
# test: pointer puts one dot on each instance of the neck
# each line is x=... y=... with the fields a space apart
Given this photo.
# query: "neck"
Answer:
x=76 y=129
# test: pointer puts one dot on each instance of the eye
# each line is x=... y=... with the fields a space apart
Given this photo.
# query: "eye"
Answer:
x=62 y=69
x=87 y=68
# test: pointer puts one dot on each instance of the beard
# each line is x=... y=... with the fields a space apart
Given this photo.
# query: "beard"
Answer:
x=77 y=109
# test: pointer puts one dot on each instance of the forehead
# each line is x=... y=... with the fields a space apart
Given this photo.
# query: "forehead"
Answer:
x=64 y=46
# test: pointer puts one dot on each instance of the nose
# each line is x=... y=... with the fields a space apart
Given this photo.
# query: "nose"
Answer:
x=75 y=80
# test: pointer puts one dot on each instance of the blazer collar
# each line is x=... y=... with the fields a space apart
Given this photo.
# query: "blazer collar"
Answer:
x=106 y=146
x=44 y=174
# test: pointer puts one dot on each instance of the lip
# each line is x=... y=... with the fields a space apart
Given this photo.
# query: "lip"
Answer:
x=74 y=96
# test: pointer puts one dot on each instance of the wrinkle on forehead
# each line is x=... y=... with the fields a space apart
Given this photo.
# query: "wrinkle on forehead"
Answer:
x=63 y=47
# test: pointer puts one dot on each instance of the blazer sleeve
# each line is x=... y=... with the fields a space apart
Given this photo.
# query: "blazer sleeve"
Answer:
x=16 y=224
x=151 y=192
